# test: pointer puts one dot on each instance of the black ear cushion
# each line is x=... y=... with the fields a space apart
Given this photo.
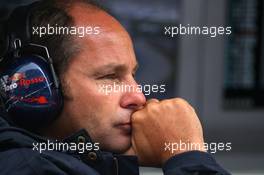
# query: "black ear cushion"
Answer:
x=28 y=92
x=4 y=40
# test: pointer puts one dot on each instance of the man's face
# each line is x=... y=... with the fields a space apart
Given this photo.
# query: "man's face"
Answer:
x=104 y=59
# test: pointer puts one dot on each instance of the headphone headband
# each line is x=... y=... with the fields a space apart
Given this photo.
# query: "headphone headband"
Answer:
x=4 y=41
x=16 y=27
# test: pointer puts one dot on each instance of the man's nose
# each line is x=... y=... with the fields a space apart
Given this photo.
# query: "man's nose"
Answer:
x=133 y=99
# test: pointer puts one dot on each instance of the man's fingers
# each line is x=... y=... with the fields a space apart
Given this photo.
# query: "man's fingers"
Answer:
x=153 y=100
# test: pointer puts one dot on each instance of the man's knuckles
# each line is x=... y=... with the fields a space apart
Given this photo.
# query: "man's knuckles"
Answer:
x=152 y=100
x=182 y=104
x=155 y=108
x=180 y=101
x=176 y=104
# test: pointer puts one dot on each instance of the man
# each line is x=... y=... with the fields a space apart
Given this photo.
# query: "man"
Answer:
x=124 y=124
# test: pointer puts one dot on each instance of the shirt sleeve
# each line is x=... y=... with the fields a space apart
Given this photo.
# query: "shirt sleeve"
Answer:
x=193 y=162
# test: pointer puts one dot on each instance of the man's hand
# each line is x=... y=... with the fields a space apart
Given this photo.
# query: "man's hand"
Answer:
x=160 y=122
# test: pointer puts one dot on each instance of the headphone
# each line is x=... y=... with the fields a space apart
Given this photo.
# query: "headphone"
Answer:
x=30 y=92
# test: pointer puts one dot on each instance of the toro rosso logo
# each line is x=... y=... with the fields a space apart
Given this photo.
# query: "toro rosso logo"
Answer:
x=25 y=82
x=18 y=79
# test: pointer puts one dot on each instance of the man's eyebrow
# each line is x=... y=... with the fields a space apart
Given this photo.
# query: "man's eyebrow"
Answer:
x=110 y=67
x=113 y=67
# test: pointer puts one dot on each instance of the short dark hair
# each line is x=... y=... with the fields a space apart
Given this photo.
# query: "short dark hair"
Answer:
x=55 y=12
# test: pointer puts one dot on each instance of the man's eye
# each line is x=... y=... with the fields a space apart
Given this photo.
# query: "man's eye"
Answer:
x=109 y=76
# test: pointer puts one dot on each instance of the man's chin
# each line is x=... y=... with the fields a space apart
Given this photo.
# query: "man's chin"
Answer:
x=119 y=146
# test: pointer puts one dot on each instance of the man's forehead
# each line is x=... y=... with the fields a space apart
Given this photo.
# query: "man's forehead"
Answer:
x=84 y=14
x=110 y=30
x=111 y=49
